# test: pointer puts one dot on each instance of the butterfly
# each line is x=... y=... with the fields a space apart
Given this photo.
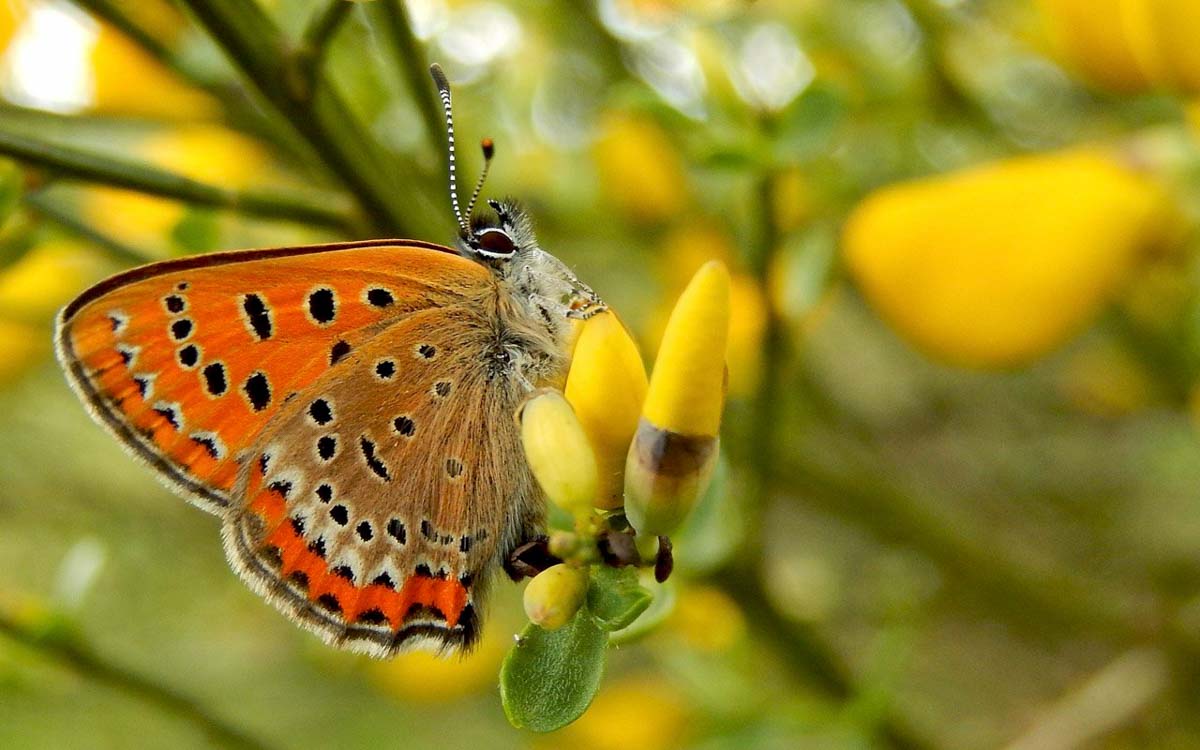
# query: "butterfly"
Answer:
x=346 y=410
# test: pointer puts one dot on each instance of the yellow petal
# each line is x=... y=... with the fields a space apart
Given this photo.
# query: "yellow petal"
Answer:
x=554 y=596
x=997 y=265
x=686 y=392
x=558 y=451
x=606 y=387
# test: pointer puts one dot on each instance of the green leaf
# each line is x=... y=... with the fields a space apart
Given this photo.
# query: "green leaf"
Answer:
x=549 y=677
x=615 y=598
x=657 y=613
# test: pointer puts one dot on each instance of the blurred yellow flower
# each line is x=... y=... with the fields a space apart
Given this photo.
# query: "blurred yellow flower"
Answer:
x=997 y=265
x=421 y=676
x=639 y=169
x=707 y=619
x=12 y=15
x=634 y=713
x=128 y=81
x=1128 y=45
x=1104 y=380
x=21 y=344
x=203 y=152
x=46 y=278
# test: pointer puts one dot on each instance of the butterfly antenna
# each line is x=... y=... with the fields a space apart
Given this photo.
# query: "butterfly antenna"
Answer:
x=443 y=86
x=489 y=150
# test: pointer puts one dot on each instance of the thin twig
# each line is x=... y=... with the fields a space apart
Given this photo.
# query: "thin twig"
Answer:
x=69 y=220
x=69 y=161
x=321 y=30
x=69 y=650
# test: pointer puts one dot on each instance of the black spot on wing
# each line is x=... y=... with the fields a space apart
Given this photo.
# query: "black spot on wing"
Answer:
x=322 y=306
x=181 y=329
x=379 y=468
x=379 y=297
x=321 y=412
x=404 y=426
x=188 y=356
x=258 y=391
x=338 y=352
x=214 y=379
x=259 y=316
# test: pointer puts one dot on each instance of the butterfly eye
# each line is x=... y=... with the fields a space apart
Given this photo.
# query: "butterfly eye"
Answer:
x=494 y=243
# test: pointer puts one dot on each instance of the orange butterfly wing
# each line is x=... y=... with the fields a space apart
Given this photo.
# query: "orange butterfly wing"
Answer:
x=186 y=361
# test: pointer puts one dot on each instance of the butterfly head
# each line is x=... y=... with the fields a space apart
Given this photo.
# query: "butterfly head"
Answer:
x=500 y=238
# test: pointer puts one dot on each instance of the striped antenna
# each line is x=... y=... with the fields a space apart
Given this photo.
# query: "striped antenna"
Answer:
x=489 y=150
x=443 y=86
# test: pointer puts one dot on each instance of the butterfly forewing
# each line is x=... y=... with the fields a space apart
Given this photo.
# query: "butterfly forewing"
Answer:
x=186 y=361
x=375 y=504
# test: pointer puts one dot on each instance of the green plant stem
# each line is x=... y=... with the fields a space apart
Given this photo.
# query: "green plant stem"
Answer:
x=415 y=67
x=68 y=220
x=765 y=408
x=72 y=162
x=802 y=648
x=317 y=111
x=324 y=25
x=70 y=651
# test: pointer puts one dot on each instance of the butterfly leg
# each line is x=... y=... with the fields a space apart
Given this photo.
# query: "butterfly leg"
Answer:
x=530 y=558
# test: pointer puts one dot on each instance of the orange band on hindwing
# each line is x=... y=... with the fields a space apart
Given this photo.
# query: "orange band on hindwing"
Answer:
x=446 y=597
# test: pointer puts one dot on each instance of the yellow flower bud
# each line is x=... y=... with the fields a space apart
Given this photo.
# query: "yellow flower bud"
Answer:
x=686 y=392
x=554 y=596
x=997 y=265
x=606 y=387
x=558 y=451
x=665 y=473
x=675 y=449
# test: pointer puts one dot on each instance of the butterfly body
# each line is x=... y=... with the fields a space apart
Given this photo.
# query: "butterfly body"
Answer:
x=346 y=410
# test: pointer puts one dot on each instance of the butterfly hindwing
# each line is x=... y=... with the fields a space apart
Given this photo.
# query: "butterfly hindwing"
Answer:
x=186 y=361
x=377 y=502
